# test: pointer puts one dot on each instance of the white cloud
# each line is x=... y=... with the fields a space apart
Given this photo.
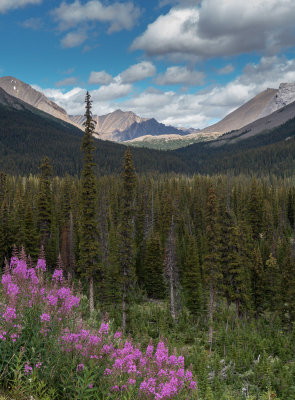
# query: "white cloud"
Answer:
x=67 y=82
x=100 y=78
x=118 y=15
x=181 y=75
x=33 y=23
x=227 y=69
x=112 y=91
x=73 y=39
x=138 y=72
x=196 y=110
x=220 y=28
x=6 y=5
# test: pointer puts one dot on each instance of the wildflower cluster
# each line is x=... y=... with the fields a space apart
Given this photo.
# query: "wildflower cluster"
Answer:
x=149 y=374
x=26 y=288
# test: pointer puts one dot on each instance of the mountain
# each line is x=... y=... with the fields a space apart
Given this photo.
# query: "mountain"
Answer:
x=148 y=127
x=260 y=126
x=27 y=134
x=169 y=142
x=108 y=126
x=243 y=115
x=263 y=104
x=26 y=93
x=120 y=126
x=116 y=126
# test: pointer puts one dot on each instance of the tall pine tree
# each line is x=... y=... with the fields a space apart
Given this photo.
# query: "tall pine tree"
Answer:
x=89 y=246
x=126 y=248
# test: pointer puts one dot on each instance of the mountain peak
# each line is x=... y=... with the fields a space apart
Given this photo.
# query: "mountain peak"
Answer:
x=26 y=93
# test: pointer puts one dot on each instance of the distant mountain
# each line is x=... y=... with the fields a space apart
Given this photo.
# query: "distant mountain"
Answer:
x=169 y=142
x=27 y=134
x=263 y=104
x=260 y=126
x=243 y=115
x=109 y=126
x=26 y=93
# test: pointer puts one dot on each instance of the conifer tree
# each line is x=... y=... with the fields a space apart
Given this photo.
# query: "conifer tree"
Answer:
x=273 y=284
x=192 y=283
x=257 y=279
x=212 y=261
x=126 y=248
x=44 y=201
x=154 y=267
x=172 y=274
x=89 y=245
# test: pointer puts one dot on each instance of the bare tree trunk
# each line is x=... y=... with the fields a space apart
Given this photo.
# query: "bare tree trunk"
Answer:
x=71 y=245
x=171 y=272
x=211 y=314
x=91 y=294
x=172 y=298
x=124 y=310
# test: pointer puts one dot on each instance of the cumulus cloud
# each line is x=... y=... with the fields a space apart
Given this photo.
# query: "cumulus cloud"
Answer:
x=6 y=5
x=138 y=72
x=227 y=69
x=67 y=82
x=119 y=16
x=220 y=28
x=196 y=110
x=180 y=75
x=33 y=23
x=100 y=78
x=73 y=39
x=112 y=91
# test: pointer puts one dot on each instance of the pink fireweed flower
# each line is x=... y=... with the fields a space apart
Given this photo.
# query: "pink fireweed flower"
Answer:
x=9 y=314
x=45 y=317
x=80 y=367
x=13 y=262
x=28 y=369
x=21 y=269
x=38 y=365
x=117 y=335
x=131 y=381
x=107 y=371
x=12 y=289
x=70 y=302
x=57 y=275
x=41 y=264
x=193 y=385
x=52 y=300
x=90 y=385
x=6 y=278
x=14 y=336
x=64 y=292
x=2 y=335
x=33 y=277
x=104 y=328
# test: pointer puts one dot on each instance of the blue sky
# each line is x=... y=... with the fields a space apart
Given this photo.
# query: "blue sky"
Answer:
x=185 y=62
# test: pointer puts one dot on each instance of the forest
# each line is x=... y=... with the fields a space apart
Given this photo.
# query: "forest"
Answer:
x=198 y=269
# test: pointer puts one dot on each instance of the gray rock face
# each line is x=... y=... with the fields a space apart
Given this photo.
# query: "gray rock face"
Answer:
x=245 y=114
x=284 y=96
x=26 y=93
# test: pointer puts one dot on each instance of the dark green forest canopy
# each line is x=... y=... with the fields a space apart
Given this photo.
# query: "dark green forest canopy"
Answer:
x=26 y=137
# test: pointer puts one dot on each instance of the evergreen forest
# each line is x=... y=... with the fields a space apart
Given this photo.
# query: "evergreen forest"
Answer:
x=200 y=266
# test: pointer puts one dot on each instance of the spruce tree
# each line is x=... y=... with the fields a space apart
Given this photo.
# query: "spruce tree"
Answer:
x=212 y=260
x=126 y=248
x=154 y=267
x=44 y=201
x=89 y=246
x=192 y=283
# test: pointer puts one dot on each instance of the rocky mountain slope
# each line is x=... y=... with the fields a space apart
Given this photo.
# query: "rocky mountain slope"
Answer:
x=260 y=126
x=26 y=93
x=170 y=142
